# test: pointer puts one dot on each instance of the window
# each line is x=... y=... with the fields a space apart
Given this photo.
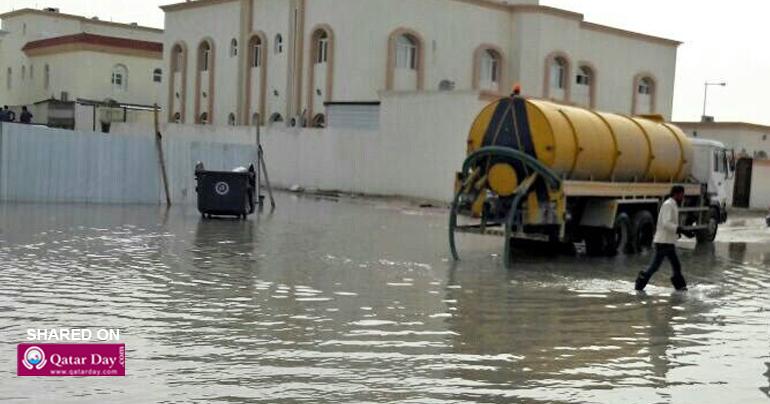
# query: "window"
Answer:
x=645 y=86
x=322 y=50
x=157 y=75
x=406 y=53
x=254 y=119
x=178 y=58
x=204 y=118
x=9 y=79
x=233 y=48
x=119 y=78
x=231 y=119
x=490 y=67
x=584 y=76
x=177 y=117
x=558 y=73
x=278 y=44
x=24 y=28
x=46 y=76
x=205 y=57
x=23 y=72
x=31 y=72
x=256 y=52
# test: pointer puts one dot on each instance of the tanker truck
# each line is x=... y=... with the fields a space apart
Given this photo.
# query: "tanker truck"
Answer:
x=564 y=175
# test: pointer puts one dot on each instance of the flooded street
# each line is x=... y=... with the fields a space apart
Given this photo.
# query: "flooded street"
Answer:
x=352 y=301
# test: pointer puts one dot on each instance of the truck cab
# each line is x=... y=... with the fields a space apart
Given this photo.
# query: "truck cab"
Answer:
x=713 y=166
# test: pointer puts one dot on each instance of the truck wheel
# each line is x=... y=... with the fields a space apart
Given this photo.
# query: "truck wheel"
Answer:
x=710 y=233
x=642 y=231
x=621 y=236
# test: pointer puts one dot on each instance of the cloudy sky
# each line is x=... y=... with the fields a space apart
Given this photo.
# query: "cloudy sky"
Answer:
x=723 y=41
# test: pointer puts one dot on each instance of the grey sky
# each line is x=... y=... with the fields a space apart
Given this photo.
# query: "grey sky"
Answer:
x=722 y=41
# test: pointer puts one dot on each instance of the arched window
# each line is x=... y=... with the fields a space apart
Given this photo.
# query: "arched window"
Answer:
x=204 y=56
x=405 y=62
x=406 y=52
x=177 y=55
x=157 y=75
x=31 y=72
x=645 y=86
x=46 y=76
x=119 y=78
x=233 y=47
x=177 y=83
x=322 y=47
x=490 y=66
x=558 y=73
x=255 y=119
x=231 y=119
x=9 y=78
x=644 y=95
x=203 y=118
x=583 y=92
x=278 y=43
x=256 y=51
x=23 y=72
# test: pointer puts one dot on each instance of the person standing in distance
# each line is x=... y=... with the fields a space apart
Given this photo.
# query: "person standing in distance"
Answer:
x=666 y=235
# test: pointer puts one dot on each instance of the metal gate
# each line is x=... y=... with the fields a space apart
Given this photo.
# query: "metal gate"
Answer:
x=742 y=192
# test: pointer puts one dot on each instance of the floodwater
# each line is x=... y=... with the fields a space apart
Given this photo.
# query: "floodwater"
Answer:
x=351 y=301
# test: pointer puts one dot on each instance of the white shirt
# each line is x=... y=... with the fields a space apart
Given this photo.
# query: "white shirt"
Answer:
x=668 y=222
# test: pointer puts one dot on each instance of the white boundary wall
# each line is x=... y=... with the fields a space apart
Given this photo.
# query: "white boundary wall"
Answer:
x=39 y=164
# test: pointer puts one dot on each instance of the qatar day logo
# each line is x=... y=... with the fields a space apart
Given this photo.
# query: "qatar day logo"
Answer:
x=34 y=358
x=222 y=188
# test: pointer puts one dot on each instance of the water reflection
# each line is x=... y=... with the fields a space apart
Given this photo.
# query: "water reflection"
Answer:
x=357 y=302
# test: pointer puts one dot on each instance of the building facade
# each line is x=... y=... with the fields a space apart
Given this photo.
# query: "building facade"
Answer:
x=231 y=61
x=47 y=56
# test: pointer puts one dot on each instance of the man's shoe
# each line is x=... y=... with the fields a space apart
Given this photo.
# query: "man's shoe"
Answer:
x=679 y=283
x=641 y=281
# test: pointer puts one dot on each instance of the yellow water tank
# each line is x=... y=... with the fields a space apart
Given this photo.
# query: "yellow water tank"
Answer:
x=582 y=144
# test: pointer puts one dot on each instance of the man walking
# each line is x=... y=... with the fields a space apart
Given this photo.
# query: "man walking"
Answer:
x=666 y=235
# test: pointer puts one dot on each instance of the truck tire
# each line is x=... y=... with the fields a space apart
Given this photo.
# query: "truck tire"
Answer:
x=708 y=235
x=621 y=236
x=642 y=231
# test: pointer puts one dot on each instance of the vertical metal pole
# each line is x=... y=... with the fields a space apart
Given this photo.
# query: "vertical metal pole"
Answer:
x=161 y=159
x=705 y=98
x=259 y=165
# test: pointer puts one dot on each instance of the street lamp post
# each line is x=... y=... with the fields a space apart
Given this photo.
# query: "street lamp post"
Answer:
x=706 y=95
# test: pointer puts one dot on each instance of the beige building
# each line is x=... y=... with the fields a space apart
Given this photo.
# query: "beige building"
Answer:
x=50 y=60
x=290 y=60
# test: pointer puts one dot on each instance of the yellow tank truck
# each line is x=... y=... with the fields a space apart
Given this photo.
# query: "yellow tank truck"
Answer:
x=538 y=170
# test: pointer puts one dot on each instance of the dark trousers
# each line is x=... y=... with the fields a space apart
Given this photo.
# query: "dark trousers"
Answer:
x=663 y=251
